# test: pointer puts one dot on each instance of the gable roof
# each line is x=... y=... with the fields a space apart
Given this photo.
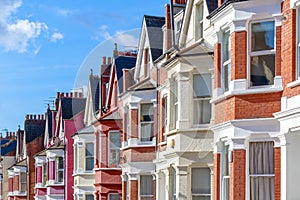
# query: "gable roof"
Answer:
x=154 y=26
x=123 y=62
x=71 y=106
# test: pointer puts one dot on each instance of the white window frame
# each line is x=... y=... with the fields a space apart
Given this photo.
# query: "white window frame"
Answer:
x=127 y=123
x=23 y=182
x=178 y=25
x=204 y=98
x=141 y=196
x=145 y=123
x=115 y=149
x=175 y=113
x=85 y=154
x=199 y=28
x=226 y=62
x=75 y=157
x=260 y=52
x=298 y=44
x=201 y=194
x=225 y=178
x=59 y=170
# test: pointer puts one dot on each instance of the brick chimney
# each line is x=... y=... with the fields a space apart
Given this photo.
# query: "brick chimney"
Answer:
x=168 y=41
x=220 y=2
x=179 y=1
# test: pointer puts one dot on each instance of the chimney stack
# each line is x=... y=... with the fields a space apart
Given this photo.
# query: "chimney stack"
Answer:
x=116 y=52
x=179 y=1
x=103 y=60
x=168 y=41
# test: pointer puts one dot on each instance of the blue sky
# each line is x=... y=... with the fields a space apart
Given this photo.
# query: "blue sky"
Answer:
x=49 y=46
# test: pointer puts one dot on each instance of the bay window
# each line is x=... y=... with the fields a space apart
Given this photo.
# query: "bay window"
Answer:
x=226 y=60
x=89 y=156
x=114 y=147
x=262 y=53
x=59 y=161
x=200 y=184
x=146 y=187
x=261 y=170
x=202 y=94
x=146 y=122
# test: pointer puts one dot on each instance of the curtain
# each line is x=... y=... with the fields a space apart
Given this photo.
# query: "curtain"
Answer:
x=261 y=163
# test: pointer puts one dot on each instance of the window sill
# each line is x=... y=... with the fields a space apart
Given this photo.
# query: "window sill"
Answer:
x=162 y=143
x=293 y=84
x=134 y=143
x=238 y=87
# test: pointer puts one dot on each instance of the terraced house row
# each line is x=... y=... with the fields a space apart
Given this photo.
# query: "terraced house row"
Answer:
x=207 y=108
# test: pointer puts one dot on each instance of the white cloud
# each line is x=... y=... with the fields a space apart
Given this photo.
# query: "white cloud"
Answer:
x=18 y=34
x=65 y=12
x=122 y=38
x=56 y=36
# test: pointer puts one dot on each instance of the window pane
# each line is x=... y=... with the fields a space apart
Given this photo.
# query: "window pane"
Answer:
x=201 y=181
x=89 y=163
x=147 y=131
x=60 y=176
x=202 y=85
x=202 y=111
x=114 y=139
x=262 y=36
x=201 y=198
x=147 y=112
x=146 y=185
x=114 y=197
x=226 y=46
x=262 y=70
x=227 y=77
x=60 y=163
x=89 y=197
x=89 y=149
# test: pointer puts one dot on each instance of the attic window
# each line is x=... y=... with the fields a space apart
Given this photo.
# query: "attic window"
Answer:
x=199 y=21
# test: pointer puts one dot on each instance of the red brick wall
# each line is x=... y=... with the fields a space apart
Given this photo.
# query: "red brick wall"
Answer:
x=217 y=64
x=124 y=190
x=133 y=189
x=238 y=55
x=278 y=51
x=139 y=154
x=238 y=175
x=248 y=106
x=133 y=123
x=288 y=49
x=217 y=176
x=277 y=161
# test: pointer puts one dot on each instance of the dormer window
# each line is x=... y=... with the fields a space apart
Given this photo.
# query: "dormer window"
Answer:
x=177 y=29
x=262 y=53
x=199 y=21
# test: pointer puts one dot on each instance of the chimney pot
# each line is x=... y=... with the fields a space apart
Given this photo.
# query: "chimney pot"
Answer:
x=75 y=94
x=109 y=60
x=103 y=60
x=34 y=116
x=62 y=94
x=39 y=117
x=30 y=116
x=67 y=94
x=80 y=95
x=57 y=95
x=27 y=117
x=71 y=94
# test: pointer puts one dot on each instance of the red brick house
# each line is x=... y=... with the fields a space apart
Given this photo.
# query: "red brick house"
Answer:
x=109 y=126
x=22 y=173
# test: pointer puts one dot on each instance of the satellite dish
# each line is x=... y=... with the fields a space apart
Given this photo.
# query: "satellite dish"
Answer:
x=56 y=141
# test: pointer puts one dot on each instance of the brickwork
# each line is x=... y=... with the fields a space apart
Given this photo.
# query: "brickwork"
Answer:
x=277 y=164
x=238 y=55
x=248 y=107
x=217 y=176
x=133 y=189
x=124 y=189
x=139 y=154
x=134 y=123
x=217 y=64
x=238 y=175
